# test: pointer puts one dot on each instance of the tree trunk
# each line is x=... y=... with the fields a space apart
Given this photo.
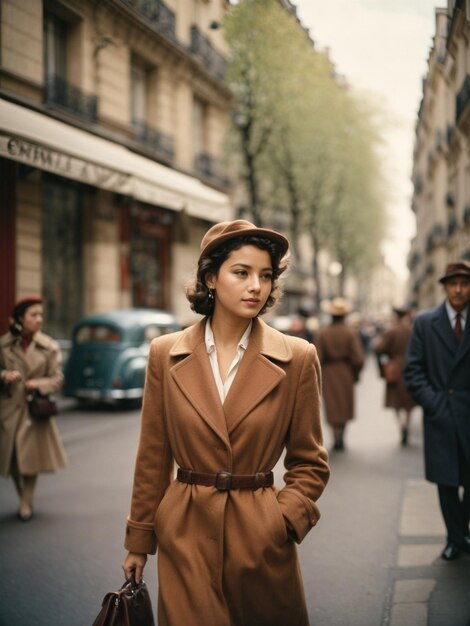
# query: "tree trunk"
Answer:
x=316 y=269
x=295 y=215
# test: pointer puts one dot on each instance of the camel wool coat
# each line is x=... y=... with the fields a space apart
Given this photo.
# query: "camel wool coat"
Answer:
x=342 y=358
x=225 y=557
x=38 y=446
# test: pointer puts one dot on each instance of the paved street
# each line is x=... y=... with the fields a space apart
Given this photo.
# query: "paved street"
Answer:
x=373 y=559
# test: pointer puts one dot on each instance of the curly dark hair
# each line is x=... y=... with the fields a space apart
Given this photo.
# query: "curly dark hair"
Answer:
x=197 y=291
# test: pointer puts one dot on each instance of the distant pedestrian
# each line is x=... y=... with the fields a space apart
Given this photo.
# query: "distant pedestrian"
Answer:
x=437 y=373
x=29 y=360
x=223 y=400
x=342 y=358
x=392 y=346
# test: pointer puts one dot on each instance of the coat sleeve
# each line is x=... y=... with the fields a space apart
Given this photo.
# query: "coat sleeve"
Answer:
x=153 y=466
x=416 y=370
x=357 y=354
x=306 y=459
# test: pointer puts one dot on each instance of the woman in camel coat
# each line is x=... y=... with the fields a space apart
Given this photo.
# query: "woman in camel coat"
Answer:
x=393 y=344
x=223 y=400
x=342 y=358
x=29 y=360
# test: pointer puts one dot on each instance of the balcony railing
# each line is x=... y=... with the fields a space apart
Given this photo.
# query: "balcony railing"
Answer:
x=157 y=14
x=209 y=167
x=62 y=94
x=463 y=98
x=154 y=140
x=202 y=48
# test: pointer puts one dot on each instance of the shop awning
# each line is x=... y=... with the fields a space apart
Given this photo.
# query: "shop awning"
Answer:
x=50 y=145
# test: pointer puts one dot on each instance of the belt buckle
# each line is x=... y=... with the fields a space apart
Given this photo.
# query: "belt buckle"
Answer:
x=226 y=483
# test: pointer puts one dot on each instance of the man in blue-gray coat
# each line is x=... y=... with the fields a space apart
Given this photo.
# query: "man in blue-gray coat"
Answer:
x=437 y=373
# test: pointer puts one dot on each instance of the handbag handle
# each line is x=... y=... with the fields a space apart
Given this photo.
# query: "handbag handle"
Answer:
x=130 y=584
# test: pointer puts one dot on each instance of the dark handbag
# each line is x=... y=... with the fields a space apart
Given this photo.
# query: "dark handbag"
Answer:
x=40 y=407
x=129 y=606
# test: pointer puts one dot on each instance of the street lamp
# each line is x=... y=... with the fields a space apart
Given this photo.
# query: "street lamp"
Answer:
x=334 y=270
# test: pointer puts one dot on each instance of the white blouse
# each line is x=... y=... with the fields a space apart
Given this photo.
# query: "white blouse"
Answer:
x=223 y=387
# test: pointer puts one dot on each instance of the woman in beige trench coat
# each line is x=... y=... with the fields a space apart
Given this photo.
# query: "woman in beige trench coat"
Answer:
x=29 y=360
x=223 y=400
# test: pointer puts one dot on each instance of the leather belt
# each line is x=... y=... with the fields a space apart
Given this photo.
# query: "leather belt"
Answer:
x=224 y=481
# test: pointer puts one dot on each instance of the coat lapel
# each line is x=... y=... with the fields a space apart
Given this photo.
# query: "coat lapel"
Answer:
x=20 y=358
x=257 y=374
x=193 y=375
x=464 y=345
x=441 y=325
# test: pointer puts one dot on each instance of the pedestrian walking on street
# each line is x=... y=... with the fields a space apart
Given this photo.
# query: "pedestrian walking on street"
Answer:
x=437 y=373
x=29 y=360
x=342 y=358
x=223 y=400
x=392 y=345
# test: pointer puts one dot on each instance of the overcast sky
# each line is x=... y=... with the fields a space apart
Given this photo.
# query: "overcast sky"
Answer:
x=381 y=47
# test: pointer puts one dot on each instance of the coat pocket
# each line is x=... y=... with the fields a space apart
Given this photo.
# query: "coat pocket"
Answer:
x=278 y=518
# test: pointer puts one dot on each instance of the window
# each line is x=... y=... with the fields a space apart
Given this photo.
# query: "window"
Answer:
x=63 y=35
x=97 y=334
x=138 y=92
x=55 y=46
x=151 y=332
x=199 y=127
x=62 y=245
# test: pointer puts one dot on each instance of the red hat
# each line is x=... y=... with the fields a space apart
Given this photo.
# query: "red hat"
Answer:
x=228 y=230
x=457 y=268
x=23 y=304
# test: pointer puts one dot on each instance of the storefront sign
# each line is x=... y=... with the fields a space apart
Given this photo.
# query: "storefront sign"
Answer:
x=63 y=164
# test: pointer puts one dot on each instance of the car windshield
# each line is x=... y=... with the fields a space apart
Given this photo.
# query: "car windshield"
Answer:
x=99 y=333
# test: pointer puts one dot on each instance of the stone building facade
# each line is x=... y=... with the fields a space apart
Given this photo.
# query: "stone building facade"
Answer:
x=112 y=120
x=441 y=165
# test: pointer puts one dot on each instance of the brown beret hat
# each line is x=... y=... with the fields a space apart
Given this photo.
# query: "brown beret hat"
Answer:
x=228 y=230
x=457 y=268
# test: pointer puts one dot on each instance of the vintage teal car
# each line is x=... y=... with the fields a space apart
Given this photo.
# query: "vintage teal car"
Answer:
x=109 y=354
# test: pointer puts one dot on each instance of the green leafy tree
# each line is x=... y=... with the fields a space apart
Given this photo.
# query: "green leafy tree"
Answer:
x=308 y=146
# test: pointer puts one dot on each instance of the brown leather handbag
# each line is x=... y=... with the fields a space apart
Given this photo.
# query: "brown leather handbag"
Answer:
x=40 y=407
x=129 y=606
x=391 y=372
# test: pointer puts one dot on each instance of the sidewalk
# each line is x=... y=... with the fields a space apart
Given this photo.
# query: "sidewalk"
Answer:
x=426 y=590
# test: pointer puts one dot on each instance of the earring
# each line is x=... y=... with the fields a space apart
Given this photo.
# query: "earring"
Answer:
x=211 y=294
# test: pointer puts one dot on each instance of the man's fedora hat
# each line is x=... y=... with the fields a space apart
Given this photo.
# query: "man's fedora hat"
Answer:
x=228 y=230
x=402 y=310
x=337 y=307
x=457 y=268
